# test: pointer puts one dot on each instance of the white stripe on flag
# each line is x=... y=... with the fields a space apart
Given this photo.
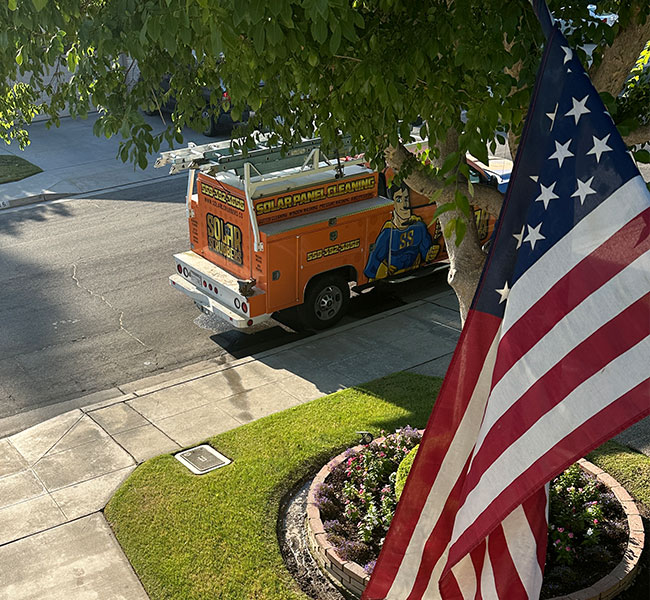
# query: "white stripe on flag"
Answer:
x=602 y=306
x=488 y=586
x=453 y=462
x=604 y=221
x=621 y=375
x=466 y=577
x=522 y=546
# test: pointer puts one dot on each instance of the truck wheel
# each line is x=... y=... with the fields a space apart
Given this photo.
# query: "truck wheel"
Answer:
x=326 y=301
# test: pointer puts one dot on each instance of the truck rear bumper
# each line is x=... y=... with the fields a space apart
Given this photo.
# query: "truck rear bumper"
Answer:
x=210 y=306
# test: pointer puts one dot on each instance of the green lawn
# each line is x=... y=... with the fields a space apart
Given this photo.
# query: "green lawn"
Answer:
x=214 y=536
x=13 y=168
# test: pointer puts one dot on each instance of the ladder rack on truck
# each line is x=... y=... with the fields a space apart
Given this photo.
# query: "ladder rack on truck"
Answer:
x=273 y=229
x=255 y=167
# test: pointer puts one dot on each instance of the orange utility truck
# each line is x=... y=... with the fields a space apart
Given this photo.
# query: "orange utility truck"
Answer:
x=274 y=230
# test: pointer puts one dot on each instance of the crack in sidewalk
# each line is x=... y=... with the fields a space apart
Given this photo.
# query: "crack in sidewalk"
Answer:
x=121 y=313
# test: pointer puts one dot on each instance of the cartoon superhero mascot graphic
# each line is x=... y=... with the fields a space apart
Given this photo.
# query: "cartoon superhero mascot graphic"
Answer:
x=403 y=242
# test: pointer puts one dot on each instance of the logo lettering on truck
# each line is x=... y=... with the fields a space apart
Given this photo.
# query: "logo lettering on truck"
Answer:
x=225 y=239
x=222 y=196
x=265 y=207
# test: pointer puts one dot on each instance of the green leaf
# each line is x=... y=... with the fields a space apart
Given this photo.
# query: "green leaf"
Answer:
x=478 y=149
x=258 y=39
x=461 y=227
x=642 y=156
x=19 y=56
x=142 y=160
x=450 y=162
x=435 y=196
x=13 y=5
x=313 y=59
x=463 y=204
x=319 y=30
x=274 y=33
x=39 y=4
x=335 y=39
x=73 y=60
x=443 y=208
x=449 y=228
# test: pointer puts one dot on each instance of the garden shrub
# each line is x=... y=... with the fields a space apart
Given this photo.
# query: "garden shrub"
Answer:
x=587 y=531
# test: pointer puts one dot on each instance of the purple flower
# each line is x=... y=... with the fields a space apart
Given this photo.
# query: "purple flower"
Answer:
x=370 y=567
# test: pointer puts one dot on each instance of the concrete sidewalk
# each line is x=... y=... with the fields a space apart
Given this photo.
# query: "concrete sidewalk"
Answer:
x=57 y=476
x=75 y=161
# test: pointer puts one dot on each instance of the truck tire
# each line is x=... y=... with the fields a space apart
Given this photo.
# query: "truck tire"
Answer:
x=326 y=301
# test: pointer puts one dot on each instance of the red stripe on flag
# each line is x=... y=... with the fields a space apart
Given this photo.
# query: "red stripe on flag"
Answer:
x=630 y=242
x=619 y=415
x=597 y=351
x=535 y=510
x=454 y=589
x=448 y=411
x=506 y=577
x=478 y=560
x=439 y=538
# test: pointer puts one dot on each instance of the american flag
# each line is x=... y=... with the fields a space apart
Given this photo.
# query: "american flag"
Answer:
x=552 y=361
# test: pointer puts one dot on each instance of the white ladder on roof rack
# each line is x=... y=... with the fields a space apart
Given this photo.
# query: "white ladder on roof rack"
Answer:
x=255 y=167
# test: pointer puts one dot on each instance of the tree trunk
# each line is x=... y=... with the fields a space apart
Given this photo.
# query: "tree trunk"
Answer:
x=466 y=260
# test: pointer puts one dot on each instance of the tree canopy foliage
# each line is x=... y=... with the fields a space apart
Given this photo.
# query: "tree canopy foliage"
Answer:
x=364 y=68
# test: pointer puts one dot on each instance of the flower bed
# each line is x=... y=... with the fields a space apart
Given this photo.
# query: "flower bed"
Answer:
x=352 y=500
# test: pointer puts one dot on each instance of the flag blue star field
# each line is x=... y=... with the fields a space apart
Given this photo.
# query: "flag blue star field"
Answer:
x=552 y=361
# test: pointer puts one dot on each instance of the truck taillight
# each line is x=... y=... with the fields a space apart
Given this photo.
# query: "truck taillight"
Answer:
x=179 y=269
x=244 y=306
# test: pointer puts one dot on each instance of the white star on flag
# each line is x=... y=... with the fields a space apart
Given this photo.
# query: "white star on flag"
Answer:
x=520 y=236
x=562 y=152
x=568 y=54
x=534 y=177
x=552 y=115
x=584 y=189
x=503 y=292
x=547 y=194
x=578 y=109
x=534 y=236
x=600 y=146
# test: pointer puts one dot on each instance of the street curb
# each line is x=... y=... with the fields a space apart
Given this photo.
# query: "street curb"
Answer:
x=42 y=197
x=50 y=196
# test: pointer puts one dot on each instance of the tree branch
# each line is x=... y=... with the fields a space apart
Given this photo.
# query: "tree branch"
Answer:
x=485 y=197
x=619 y=58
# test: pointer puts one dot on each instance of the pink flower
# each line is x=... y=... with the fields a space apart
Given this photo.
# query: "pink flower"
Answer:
x=560 y=529
x=595 y=521
x=570 y=536
x=568 y=549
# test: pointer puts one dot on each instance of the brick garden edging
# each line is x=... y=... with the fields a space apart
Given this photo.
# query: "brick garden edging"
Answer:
x=353 y=578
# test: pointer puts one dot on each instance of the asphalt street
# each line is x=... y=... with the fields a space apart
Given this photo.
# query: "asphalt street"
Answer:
x=86 y=305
